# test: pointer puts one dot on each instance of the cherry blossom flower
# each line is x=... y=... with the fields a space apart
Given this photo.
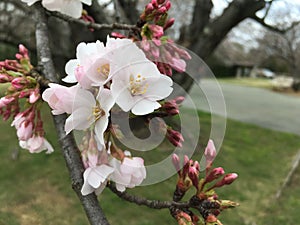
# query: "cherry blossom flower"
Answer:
x=86 y=55
x=61 y=98
x=71 y=8
x=128 y=173
x=36 y=144
x=95 y=179
x=90 y=111
x=95 y=64
x=138 y=87
x=119 y=53
x=97 y=171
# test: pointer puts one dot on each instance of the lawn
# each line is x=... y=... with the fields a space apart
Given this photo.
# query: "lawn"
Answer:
x=248 y=81
x=35 y=189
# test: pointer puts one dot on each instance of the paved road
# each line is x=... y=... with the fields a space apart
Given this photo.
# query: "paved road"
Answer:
x=248 y=104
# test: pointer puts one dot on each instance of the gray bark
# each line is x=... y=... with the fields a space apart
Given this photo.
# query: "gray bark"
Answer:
x=69 y=149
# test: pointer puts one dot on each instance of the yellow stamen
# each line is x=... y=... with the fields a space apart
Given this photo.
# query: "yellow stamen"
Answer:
x=137 y=87
x=104 y=70
x=98 y=112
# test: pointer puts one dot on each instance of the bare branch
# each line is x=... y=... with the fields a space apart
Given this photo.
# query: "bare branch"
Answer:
x=268 y=9
x=274 y=28
x=154 y=204
x=95 y=26
x=69 y=148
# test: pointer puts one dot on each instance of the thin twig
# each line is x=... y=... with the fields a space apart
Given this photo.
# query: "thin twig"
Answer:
x=95 y=26
x=273 y=28
x=154 y=204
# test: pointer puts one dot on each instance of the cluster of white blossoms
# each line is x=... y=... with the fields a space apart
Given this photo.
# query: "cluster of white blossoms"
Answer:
x=116 y=74
x=71 y=8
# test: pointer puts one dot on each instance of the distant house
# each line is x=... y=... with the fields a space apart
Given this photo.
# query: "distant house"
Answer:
x=243 y=68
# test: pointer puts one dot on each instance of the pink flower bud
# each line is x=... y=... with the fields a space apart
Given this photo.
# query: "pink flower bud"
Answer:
x=162 y=10
x=176 y=162
x=211 y=219
x=179 y=99
x=161 y=1
x=183 y=53
x=4 y=78
x=10 y=65
x=178 y=64
x=24 y=94
x=168 y=5
x=7 y=113
x=175 y=137
x=157 y=31
x=155 y=52
x=154 y=3
x=210 y=153
x=197 y=165
x=169 y=23
x=24 y=132
x=5 y=101
x=34 y=96
x=19 y=83
x=186 y=165
x=149 y=8
x=194 y=175
x=227 y=179
x=19 y=56
x=18 y=120
x=145 y=44
x=171 y=107
x=23 y=51
x=214 y=174
x=157 y=42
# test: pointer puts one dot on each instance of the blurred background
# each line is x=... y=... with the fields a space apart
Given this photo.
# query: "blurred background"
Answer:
x=253 y=49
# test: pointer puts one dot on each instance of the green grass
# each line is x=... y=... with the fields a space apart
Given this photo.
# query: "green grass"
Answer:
x=247 y=81
x=35 y=188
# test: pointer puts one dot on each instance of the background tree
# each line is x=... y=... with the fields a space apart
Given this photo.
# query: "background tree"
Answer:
x=202 y=24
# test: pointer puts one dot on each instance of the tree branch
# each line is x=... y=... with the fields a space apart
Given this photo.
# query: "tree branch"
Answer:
x=154 y=204
x=95 y=26
x=273 y=28
x=201 y=16
x=67 y=142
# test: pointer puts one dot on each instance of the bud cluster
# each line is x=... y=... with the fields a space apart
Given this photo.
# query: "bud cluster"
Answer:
x=158 y=47
x=205 y=200
x=15 y=75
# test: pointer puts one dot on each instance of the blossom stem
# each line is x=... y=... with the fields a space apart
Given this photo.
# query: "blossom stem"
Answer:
x=92 y=25
x=154 y=204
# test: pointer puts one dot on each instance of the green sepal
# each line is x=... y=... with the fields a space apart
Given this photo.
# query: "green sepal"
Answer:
x=14 y=73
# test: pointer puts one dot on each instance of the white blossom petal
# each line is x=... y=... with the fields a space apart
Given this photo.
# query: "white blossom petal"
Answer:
x=100 y=127
x=30 y=2
x=87 y=2
x=145 y=106
x=70 y=71
x=80 y=119
x=72 y=8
